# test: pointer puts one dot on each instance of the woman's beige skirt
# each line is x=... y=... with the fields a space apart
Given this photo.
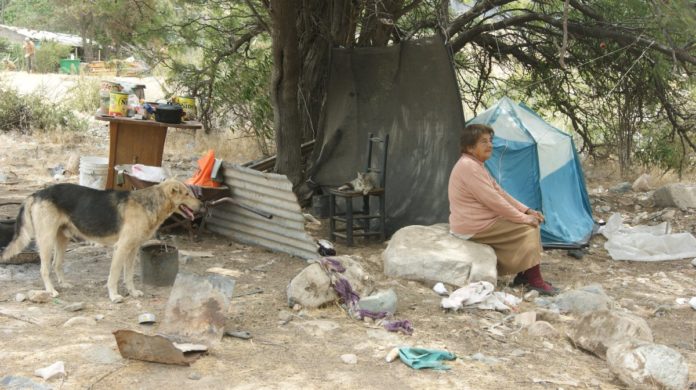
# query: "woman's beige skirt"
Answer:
x=517 y=246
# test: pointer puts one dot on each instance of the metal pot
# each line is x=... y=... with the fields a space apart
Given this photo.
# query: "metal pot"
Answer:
x=169 y=113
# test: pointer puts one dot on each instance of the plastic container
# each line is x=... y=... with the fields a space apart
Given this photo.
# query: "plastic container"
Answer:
x=69 y=66
x=159 y=264
x=93 y=172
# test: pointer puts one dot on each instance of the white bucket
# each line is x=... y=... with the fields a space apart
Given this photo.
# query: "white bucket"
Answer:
x=93 y=172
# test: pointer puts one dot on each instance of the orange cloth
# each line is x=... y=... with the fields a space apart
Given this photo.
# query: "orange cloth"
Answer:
x=205 y=169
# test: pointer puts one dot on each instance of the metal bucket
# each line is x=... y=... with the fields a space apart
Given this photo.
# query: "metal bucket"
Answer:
x=159 y=264
x=118 y=104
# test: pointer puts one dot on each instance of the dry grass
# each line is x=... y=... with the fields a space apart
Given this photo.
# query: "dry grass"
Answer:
x=608 y=172
x=229 y=147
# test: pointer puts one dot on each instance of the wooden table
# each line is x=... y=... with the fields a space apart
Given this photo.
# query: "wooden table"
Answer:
x=137 y=141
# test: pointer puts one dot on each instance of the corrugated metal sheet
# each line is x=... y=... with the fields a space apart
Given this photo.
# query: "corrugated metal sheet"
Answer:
x=268 y=192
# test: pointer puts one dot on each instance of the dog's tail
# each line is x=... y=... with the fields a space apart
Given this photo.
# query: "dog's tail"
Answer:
x=24 y=231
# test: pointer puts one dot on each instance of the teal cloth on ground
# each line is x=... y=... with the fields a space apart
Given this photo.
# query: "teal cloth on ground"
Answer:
x=425 y=358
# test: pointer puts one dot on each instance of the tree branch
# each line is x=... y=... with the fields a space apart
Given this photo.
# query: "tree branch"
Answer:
x=474 y=12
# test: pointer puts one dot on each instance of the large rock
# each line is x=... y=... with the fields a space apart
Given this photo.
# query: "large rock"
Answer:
x=312 y=287
x=583 y=300
x=596 y=331
x=430 y=253
x=675 y=195
x=643 y=365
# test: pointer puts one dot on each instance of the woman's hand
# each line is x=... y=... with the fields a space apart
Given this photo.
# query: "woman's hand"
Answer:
x=537 y=215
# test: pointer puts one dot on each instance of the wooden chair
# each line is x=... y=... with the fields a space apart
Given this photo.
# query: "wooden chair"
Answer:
x=356 y=223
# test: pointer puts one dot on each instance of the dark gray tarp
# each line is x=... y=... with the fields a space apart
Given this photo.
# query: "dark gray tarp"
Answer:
x=410 y=92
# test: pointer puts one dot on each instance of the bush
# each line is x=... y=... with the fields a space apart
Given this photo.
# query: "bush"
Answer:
x=84 y=95
x=35 y=112
x=48 y=56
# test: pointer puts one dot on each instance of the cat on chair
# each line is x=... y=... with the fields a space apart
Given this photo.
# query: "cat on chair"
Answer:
x=365 y=182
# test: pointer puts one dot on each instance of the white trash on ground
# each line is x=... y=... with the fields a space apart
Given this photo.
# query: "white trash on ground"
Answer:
x=480 y=295
x=57 y=368
x=646 y=243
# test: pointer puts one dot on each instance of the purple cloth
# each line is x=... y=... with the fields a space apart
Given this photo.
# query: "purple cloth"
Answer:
x=332 y=265
x=375 y=315
x=346 y=292
x=403 y=326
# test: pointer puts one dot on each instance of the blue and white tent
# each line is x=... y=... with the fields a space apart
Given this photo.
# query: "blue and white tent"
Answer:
x=538 y=165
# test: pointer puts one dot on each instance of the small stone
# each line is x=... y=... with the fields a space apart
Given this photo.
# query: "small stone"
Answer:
x=517 y=353
x=392 y=355
x=668 y=215
x=240 y=334
x=349 y=358
x=541 y=329
x=285 y=316
x=547 y=345
x=297 y=307
x=693 y=262
x=21 y=297
x=531 y=295
x=384 y=300
x=194 y=376
x=99 y=317
x=77 y=306
x=39 y=296
x=525 y=319
x=484 y=359
x=77 y=321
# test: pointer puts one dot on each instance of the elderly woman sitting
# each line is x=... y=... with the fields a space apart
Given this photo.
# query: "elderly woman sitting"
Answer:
x=481 y=211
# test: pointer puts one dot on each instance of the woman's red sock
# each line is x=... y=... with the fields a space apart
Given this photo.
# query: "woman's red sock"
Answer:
x=535 y=280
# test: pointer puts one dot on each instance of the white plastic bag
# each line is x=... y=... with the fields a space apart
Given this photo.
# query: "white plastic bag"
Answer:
x=646 y=243
x=149 y=173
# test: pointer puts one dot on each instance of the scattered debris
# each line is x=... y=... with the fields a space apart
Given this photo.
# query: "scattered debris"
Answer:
x=240 y=334
x=196 y=254
x=20 y=297
x=80 y=321
x=425 y=358
x=224 y=271
x=55 y=369
x=349 y=358
x=158 y=349
x=440 y=289
x=147 y=319
x=77 y=306
x=392 y=355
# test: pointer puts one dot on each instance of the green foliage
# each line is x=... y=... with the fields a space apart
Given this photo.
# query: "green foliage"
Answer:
x=203 y=53
x=48 y=56
x=35 y=112
x=656 y=149
x=84 y=95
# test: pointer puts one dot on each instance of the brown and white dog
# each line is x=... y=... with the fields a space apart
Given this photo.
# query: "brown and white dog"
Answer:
x=122 y=219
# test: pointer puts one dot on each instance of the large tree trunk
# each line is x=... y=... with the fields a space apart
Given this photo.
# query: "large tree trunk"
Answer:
x=286 y=72
x=318 y=40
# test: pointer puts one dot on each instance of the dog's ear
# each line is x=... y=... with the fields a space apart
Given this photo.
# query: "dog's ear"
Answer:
x=175 y=188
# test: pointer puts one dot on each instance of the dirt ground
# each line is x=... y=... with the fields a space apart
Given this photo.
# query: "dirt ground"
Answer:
x=302 y=349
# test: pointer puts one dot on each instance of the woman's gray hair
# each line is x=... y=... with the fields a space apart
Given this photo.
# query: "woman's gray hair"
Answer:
x=470 y=135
